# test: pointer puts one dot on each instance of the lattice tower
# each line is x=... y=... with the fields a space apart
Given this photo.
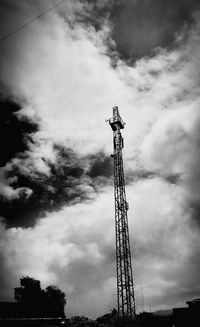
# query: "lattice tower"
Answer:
x=125 y=286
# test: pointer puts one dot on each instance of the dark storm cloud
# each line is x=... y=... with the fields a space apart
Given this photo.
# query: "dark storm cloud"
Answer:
x=193 y=208
x=68 y=182
x=100 y=165
x=140 y=26
x=143 y=174
x=101 y=171
x=94 y=16
x=173 y=178
x=15 y=131
x=50 y=192
x=140 y=174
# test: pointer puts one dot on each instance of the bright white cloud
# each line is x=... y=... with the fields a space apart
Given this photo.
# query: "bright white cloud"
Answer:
x=9 y=192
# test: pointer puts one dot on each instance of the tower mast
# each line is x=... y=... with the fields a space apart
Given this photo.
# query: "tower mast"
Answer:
x=125 y=287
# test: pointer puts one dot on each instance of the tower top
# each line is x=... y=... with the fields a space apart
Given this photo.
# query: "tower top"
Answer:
x=116 y=121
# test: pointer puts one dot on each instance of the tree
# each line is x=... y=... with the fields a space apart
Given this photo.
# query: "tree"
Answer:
x=30 y=292
x=79 y=321
x=49 y=302
x=55 y=298
x=108 y=319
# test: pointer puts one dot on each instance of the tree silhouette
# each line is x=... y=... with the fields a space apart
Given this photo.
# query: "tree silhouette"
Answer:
x=47 y=302
x=30 y=292
x=55 y=299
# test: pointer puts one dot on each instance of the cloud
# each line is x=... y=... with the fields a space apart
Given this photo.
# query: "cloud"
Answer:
x=172 y=147
x=51 y=64
x=139 y=27
x=8 y=192
x=45 y=181
x=15 y=130
x=164 y=242
x=71 y=250
x=74 y=248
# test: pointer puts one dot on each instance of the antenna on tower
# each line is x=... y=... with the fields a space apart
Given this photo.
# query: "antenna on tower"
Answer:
x=125 y=287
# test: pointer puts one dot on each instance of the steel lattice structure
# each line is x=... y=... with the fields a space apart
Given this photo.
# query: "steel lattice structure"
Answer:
x=125 y=287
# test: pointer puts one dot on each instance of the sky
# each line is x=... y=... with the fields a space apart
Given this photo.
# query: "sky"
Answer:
x=60 y=76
